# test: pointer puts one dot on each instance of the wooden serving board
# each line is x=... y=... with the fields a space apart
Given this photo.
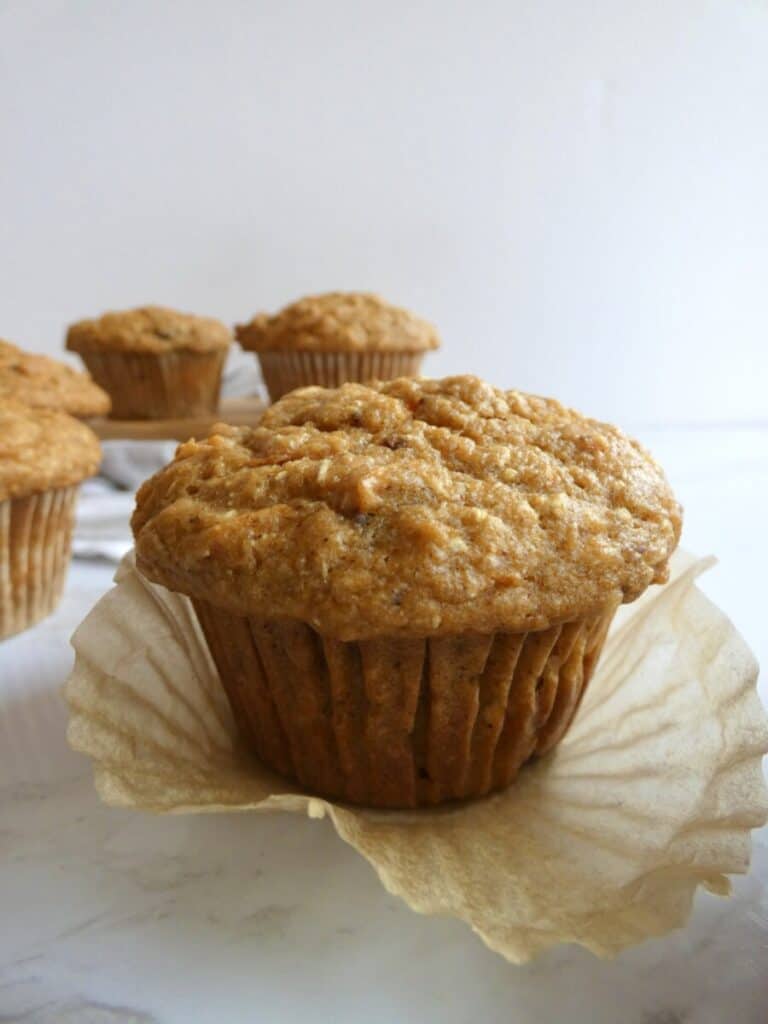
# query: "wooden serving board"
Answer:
x=237 y=411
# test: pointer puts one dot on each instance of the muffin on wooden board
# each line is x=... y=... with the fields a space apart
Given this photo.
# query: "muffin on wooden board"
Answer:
x=44 y=456
x=406 y=586
x=154 y=362
x=334 y=338
x=44 y=383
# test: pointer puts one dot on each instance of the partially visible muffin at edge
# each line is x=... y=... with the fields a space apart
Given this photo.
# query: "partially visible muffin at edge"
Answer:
x=336 y=337
x=44 y=456
x=406 y=586
x=155 y=363
x=44 y=383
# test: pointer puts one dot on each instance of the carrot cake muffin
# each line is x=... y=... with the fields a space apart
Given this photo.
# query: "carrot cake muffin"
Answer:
x=337 y=337
x=45 y=383
x=154 y=362
x=44 y=455
x=406 y=586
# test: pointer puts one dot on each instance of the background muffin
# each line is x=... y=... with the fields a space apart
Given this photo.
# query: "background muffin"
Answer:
x=337 y=337
x=44 y=383
x=406 y=586
x=44 y=455
x=154 y=362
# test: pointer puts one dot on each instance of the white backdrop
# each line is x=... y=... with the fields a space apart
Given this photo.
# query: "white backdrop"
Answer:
x=576 y=192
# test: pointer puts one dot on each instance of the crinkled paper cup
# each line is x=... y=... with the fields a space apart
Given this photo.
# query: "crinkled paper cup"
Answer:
x=284 y=371
x=152 y=386
x=35 y=542
x=400 y=723
x=603 y=842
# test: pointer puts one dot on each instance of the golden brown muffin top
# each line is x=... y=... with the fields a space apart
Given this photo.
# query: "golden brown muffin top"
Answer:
x=411 y=508
x=43 y=448
x=41 y=382
x=338 y=322
x=148 y=329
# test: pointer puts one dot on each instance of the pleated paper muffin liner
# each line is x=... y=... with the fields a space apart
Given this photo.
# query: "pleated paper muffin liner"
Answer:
x=167 y=385
x=400 y=723
x=286 y=370
x=603 y=842
x=35 y=542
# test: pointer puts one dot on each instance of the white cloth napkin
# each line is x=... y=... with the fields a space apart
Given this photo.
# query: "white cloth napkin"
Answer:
x=127 y=464
x=102 y=524
x=241 y=375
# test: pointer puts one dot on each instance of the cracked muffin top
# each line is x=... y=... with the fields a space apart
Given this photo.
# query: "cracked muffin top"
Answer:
x=151 y=329
x=410 y=508
x=44 y=383
x=338 y=322
x=43 y=448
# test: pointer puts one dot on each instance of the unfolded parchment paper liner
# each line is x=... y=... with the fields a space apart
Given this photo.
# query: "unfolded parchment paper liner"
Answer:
x=285 y=370
x=603 y=842
x=400 y=723
x=164 y=385
x=35 y=542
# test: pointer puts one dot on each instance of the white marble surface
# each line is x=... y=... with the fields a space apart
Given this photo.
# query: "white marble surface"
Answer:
x=112 y=916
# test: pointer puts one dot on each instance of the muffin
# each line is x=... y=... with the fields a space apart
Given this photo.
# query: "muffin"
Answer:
x=406 y=586
x=44 y=383
x=154 y=362
x=334 y=338
x=44 y=455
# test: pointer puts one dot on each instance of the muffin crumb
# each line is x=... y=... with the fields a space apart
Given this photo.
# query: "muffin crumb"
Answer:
x=338 y=322
x=494 y=511
x=149 y=329
x=41 y=449
x=44 y=383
